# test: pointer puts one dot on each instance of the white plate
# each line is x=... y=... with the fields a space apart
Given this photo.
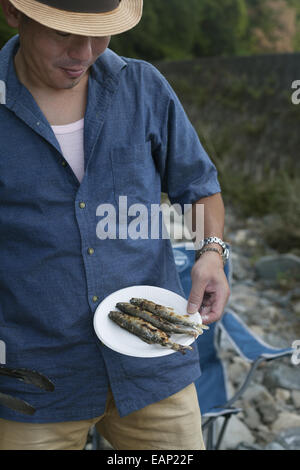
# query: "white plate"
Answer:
x=121 y=340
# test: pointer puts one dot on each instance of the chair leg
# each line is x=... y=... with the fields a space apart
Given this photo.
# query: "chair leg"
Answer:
x=210 y=435
x=222 y=431
x=96 y=439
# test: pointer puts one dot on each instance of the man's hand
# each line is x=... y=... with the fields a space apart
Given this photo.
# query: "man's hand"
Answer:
x=210 y=290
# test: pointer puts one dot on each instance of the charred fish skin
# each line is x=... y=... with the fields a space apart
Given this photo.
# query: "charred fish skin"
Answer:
x=165 y=313
x=133 y=325
x=160 y=323
x=145 y=331
x=132 y=310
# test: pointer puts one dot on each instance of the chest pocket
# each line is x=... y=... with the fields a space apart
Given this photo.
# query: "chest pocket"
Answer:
x=134 y=173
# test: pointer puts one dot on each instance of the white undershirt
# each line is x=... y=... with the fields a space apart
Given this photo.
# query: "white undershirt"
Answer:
x=70 y=138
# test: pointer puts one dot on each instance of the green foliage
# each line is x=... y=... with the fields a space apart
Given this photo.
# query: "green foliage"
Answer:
x=222 y=25
x=166 y=31
x=173 y=29
x=296 y=5
x=177 y=29
x=6 y=31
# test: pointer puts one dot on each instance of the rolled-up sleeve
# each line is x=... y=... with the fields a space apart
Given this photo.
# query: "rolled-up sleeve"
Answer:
x=187 y=172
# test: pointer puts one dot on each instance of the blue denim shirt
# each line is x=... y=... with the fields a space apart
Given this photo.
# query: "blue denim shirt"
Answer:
x=138 y=142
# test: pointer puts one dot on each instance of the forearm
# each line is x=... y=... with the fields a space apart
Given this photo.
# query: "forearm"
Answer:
x=210 y=289
x=213 y=220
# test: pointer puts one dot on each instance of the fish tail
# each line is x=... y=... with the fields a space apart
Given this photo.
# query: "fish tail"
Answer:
x=179 y=347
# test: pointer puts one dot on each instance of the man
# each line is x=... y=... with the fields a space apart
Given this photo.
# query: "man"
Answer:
x=80 y=127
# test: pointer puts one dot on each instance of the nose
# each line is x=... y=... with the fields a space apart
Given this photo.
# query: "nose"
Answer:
x=81 y=49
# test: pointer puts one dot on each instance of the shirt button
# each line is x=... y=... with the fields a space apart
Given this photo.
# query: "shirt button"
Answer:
x=91 y=251
x=64 y=163
x=95 y=298
x=82 y=205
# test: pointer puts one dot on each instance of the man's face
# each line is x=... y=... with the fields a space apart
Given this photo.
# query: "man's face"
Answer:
x=56 y=59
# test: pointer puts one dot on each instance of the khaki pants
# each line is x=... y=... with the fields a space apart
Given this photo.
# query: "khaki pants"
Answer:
x=170 y=424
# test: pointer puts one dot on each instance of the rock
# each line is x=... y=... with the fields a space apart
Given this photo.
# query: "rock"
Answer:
x=244 y=446
x=267 y=299
x=271 y=312
x=236 y=433
x=264 y=403
x=244 y=295
x=238 y=370
x=275 y=341
x=267 y=409
x=286 y=440
x=251 y=416
x=274 y=446
x=295 y=294
x=282 y=395
x=296 y=307
x=241 y=267
x=275 y=266
x=283 y=376
x=241 y=236
x=257 y=330
x=296 y=398
x=275 y=296
x=254 y=392
x=286 y=420
x=290 y=438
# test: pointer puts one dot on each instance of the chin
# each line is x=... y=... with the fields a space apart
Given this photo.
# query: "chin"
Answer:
x=64 y=84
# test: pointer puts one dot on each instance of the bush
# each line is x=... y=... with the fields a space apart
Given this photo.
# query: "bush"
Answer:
x=6 y=31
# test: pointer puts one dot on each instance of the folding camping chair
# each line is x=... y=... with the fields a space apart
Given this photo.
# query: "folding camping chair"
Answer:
x=211 y=386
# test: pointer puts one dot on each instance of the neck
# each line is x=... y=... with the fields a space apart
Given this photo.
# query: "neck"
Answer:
x=59 y=105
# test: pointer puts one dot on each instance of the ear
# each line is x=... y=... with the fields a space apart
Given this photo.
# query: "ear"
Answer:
x=12 y=15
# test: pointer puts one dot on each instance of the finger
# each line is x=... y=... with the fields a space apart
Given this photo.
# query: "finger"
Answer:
x=205 y=310
x=210 y=317
x=195 y=298
x=212 y=313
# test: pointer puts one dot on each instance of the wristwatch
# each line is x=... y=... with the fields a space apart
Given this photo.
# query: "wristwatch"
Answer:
x=208 y=241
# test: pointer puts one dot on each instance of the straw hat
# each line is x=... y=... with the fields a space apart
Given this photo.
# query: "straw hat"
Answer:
x=84 y=17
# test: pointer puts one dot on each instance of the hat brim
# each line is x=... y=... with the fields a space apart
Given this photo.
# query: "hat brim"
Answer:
x=123 y=18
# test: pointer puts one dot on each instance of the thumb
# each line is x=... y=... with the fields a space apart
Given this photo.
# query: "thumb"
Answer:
x=195 y=299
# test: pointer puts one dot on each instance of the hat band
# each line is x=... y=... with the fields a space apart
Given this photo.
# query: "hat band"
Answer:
x=83 y=6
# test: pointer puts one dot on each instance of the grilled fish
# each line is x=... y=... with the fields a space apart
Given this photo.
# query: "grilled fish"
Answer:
x=167 y=313
x=158 y=322
x=145 y=331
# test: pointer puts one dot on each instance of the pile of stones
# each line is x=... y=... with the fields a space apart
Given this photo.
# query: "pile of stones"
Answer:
x=266 y=295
